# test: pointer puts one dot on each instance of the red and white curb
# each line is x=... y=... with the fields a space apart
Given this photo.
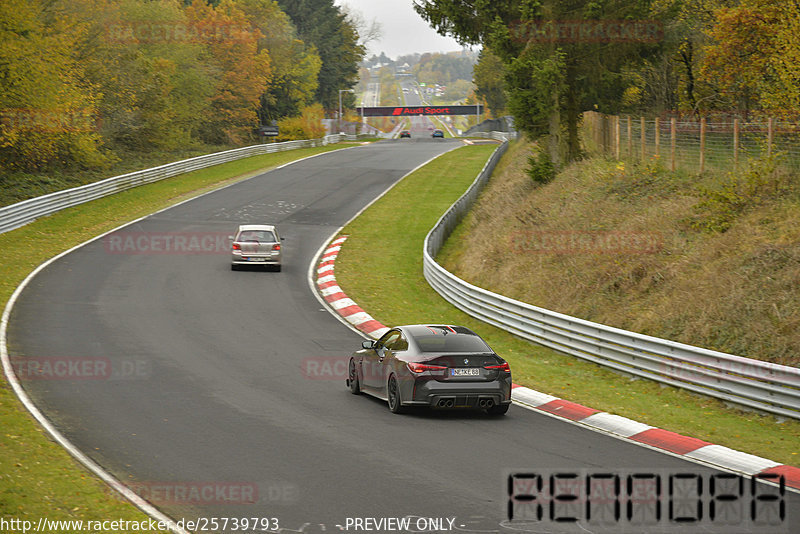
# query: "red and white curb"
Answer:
x=687 y=447
x=335 y=297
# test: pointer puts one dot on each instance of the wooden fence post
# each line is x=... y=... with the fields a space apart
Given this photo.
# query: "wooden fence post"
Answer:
x=658 y=137
x=630 y=138
x=673 y=134
x=616 y=137
x=735 y=143
x=770 y=136
x=643 y=127
x=702 y=144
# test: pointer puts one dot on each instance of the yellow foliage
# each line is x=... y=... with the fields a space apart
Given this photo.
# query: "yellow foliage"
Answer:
x=307 y=126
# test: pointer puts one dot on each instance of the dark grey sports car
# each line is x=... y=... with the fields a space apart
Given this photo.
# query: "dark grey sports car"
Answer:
x=440 y=366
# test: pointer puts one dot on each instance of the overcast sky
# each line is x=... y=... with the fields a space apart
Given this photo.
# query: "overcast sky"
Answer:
x=403 y=30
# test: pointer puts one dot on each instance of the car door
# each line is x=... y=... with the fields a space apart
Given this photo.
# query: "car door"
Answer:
x=373 y=367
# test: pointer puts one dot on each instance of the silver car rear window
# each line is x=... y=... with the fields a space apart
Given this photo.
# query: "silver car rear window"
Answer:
x=262 y=236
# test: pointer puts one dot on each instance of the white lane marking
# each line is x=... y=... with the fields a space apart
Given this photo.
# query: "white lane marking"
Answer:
x=57 y=436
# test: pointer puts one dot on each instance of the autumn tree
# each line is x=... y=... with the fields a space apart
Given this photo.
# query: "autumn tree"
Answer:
x=755 y=54
x=47 y=108
x=242 y=71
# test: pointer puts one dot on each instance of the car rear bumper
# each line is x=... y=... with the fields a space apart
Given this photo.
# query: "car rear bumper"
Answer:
x=260 y=262
x=460 y=394
x=256 y=259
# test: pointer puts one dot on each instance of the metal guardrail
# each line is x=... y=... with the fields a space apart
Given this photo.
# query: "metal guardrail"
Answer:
x=743 y=381
x=21 y=213
x=497 y=136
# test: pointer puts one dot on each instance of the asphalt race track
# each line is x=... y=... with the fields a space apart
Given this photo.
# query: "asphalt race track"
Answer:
x=191 y=376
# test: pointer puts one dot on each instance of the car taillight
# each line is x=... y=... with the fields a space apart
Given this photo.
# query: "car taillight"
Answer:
x=504 y=367
x=276 y=246
x=421 y=367
x=236 y=246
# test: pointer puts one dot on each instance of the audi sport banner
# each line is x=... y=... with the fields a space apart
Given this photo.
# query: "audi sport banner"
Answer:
x=403 y=111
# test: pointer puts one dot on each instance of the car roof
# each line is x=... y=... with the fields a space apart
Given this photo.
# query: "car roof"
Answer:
x=428 y=329
x=244 y=227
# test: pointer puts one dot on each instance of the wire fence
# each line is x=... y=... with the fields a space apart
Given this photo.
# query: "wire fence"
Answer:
x=692 y=145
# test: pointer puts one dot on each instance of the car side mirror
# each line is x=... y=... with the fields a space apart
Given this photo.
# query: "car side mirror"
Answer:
x=368 y=344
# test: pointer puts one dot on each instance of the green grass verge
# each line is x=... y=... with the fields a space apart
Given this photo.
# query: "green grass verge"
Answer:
x=16 y=186
x=389 y=285
x=37 y=477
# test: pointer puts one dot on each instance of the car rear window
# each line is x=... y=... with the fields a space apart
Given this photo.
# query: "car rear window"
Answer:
x=452 y=343
x=262 y=236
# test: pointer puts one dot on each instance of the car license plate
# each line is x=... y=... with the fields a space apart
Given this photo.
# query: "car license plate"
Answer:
x=256 y=259
x=465 y=371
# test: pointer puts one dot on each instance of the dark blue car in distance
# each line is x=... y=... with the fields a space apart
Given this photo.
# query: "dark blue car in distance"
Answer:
x=437 y=366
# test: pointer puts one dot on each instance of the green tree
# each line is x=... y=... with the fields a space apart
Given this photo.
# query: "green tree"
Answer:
x=295 y=65
x=322 y=24
x=489 y=77
x=148 y=68
x=553 y=73
x=443 y=68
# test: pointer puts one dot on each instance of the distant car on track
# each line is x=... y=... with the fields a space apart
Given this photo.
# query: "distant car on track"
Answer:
x=437 y=366
x=405 y=133
x=256 y=244
x=438 y=133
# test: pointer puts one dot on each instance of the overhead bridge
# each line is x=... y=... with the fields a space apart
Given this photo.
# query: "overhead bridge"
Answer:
x=404 y=111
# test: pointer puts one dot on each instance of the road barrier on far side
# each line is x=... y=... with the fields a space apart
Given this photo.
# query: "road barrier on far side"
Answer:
x=21 y=213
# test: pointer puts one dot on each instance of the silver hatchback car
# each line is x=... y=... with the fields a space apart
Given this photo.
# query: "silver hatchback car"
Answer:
x=256 y=244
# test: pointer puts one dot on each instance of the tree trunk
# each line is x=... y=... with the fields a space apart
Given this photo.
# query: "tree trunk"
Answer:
x=573 y=113
x=554 y=141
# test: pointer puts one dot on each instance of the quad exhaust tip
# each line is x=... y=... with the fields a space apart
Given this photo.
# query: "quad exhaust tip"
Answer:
x=449 y=403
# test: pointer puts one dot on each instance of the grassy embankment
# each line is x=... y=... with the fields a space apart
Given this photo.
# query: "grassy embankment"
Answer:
x=37 y=477
x=390 y=286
